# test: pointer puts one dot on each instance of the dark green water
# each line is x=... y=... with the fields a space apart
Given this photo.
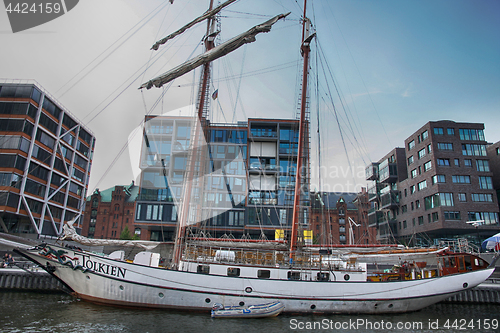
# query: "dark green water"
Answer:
x=34 y=312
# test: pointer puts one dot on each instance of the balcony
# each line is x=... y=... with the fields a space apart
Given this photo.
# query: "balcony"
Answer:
x=387 y=229
x=390 y=199
x=375 y=218
x=371 y=171
x=373 y=191
x=388 y=173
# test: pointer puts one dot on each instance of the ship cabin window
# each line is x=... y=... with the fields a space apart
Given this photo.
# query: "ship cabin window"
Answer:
x=323 y=276
x=263 y=274
x=233 y=271
x=478 y=262
x=293 y=275
x=203 y=269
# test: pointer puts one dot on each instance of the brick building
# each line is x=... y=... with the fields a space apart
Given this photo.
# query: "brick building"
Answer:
x=330 y=213
x=446 y=182
x=108 y=212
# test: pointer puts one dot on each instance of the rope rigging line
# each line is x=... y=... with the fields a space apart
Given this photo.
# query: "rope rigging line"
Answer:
x=338 y=117
x=361 y=77
x=145 y=19
x=345 y=108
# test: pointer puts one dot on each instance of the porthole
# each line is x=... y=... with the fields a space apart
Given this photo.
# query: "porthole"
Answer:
x=88 y=277
x=121 y=287
x=466 y=285
x=313 y=307
x=207 y=300
x=248 y=290
x=242 y=303
x=347 y=277
x=390 y=306
x=161 y=295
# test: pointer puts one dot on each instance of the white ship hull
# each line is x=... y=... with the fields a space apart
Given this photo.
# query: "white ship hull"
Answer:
x=103 y=280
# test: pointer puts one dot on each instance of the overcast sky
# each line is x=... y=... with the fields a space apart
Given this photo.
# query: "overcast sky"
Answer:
x=397 y=64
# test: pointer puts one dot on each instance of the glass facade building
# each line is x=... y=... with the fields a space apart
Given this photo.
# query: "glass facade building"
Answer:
x=247 y=184
x=45 y=161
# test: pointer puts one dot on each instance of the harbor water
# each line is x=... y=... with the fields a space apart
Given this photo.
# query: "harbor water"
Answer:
x=59 y=312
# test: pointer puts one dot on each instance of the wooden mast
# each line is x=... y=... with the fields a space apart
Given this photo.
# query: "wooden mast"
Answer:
x=305 y=50
x=196 y=151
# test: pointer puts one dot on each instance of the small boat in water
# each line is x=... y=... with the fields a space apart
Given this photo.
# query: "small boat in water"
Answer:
x=252 y=311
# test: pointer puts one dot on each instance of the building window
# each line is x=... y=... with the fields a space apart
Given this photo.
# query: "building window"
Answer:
x=457 y=162
x=450 y=131
x=417 y=204
x=173 y=217
x=412 y=189
x=420 y=220
x=446 y=199
x=485 y=183
x=498 y=151
x=482 y=197
x=438 y=199
x=469 y=149
x=427 y=166
x=410 y=160
x=438 y=131
x=421 y=153
x=468 y=163
x=462 y=197
x=413 y=173
x=429 y=148
x=445 y=146
x=482 y=165
x=411 y=145
x=487 y=217
x=404 y=225
x=138 y=214
x=404 y=208
x=471 y=134
x=435 y=217
x=451 y=215
x=425 y=135
x=459 y=179
x=422 y=185
x=443 y=162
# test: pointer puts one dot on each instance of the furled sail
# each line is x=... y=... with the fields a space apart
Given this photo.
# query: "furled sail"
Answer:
x=215 y=53
x=192 y=23
x=70 y=234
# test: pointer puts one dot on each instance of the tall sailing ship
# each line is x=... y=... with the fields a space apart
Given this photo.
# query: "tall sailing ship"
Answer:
x=205 y=271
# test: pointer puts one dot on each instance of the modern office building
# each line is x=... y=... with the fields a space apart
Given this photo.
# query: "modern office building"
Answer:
x=444 y=187
x=246 y=187
x=109 y=212
x=45 y=160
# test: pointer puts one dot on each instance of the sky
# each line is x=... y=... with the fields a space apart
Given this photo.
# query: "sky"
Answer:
x=397 y=65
